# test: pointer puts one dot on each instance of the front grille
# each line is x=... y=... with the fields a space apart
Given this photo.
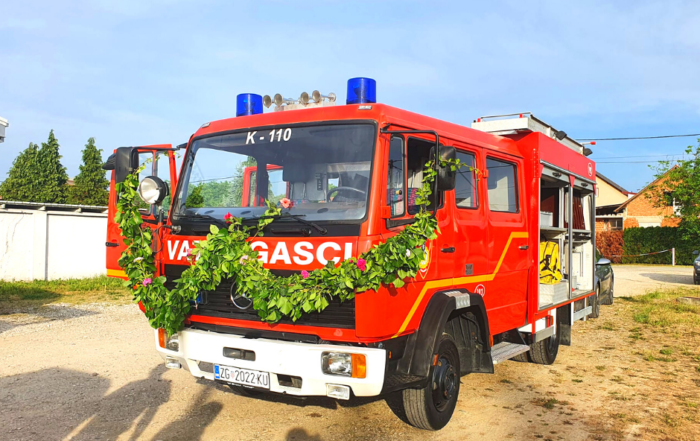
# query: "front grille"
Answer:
x=218 y=304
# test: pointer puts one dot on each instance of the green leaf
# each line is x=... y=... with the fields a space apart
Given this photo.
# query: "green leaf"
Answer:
x=213 y=228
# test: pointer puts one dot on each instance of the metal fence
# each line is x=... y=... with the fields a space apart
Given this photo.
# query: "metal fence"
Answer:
x=51 y=241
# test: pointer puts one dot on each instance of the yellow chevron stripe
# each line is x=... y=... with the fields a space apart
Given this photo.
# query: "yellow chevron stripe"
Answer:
x=116 y=273
x=444 y=283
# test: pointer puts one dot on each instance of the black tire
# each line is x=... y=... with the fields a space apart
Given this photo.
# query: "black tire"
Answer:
x=545 y=351
x=431 y=407
x=697 y=281
x=523 y=358
x=245 y=391
x=595 y=303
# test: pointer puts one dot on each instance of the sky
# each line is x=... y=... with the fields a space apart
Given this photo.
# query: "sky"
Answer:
x=135 y=72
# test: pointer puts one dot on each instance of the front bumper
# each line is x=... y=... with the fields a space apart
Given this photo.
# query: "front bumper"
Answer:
x=200 y=350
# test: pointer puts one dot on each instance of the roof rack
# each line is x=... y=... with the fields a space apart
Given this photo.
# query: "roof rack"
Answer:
x=513 y=123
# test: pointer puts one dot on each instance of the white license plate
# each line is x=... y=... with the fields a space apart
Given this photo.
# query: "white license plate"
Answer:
x=246 y=377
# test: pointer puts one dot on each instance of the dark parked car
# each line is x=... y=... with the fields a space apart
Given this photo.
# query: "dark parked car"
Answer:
x=604 y=284
x=696 y=268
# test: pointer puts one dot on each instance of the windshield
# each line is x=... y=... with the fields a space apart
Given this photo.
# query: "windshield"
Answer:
x=323 y=170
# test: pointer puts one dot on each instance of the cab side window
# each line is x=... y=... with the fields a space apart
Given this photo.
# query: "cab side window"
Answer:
x=163 y=172
x=395 y=178
x=418 y=153
x=502 y=186
x=466 y=194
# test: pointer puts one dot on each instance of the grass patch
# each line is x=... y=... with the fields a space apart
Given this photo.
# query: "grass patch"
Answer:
x=660 y=309
x=40 y=292
x=608 y=327
x=549 y=403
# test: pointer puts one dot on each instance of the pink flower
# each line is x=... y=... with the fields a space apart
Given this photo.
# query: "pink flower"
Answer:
x=147 y=281
x=304 y=274
x=228 y=217
x=243 y=259
x=286 y=203
x=361 y=264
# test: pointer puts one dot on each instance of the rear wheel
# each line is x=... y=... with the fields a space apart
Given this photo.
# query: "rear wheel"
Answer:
x=595 y=303
x=545 y=351
x=431 y=407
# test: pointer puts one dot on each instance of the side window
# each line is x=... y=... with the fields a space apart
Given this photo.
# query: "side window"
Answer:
x=147 y=159
x=502 y=186
x=466 y=195
x=418 y=153
x=395 y=179
x=163 y=172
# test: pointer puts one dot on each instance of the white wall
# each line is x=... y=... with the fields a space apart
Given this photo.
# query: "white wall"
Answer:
x=46 y=245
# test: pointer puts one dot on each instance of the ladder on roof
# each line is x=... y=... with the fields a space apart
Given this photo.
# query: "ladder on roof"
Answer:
x=513 y=123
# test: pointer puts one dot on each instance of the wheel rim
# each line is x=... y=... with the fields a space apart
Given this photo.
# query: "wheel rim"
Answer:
x=444 y=383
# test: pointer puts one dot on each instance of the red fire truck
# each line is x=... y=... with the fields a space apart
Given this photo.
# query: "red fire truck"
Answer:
x=352 y=172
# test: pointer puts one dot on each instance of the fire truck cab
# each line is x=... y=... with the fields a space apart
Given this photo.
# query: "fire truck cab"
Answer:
x=352 y=172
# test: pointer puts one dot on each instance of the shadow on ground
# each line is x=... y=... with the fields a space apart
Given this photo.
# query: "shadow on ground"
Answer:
x=13 y=317
x=76 y=405
x=670 y=278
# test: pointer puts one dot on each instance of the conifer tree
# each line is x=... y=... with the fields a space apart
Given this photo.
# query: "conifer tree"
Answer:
x=21 y=183
x=91 y=184
x=52 y=174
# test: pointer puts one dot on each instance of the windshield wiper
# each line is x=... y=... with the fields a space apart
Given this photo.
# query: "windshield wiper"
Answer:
x=296 y=217
x=206 y=217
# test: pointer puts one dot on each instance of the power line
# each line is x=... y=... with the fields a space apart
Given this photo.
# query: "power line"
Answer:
x=643 y=156
x=627 y=162
x=637 y=137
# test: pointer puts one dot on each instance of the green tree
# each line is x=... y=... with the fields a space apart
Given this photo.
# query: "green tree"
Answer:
x=195 y=198
x=679 y=185
x=91 y=184
x=21 y=183
x=52 y=174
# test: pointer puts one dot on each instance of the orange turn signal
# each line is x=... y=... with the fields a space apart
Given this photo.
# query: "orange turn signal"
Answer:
x=359 y=366
x=161 y=338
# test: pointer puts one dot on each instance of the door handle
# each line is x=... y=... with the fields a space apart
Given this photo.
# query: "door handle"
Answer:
x=448 y=250
x=111 y=244
x=524 y=247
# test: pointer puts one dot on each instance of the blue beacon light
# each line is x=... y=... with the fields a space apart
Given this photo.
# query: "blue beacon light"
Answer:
x=248 y=104
x=361 y=90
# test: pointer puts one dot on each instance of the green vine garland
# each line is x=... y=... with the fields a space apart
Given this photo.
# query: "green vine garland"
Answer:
x=226 y=255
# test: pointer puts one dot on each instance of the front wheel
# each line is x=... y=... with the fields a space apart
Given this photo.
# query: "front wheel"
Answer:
x=431 y=407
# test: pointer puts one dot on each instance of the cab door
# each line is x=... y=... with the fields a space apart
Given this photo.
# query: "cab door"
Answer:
x=471 y=233
x=160 y=161
x=505 y=296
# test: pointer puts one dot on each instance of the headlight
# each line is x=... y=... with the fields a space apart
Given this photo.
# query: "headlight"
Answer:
x=153 y=190
x=173 y=343
x=346 y=365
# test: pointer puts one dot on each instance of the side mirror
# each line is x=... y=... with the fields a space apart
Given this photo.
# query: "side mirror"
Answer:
x=604 y=261
x=125 y=162
x=446 y=177
x=696 y=252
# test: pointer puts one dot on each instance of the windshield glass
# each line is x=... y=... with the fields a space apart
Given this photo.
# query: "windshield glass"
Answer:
x=323 y=170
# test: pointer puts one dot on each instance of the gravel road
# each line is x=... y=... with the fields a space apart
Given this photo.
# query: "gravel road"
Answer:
x=90 y=373
x=632 y=280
